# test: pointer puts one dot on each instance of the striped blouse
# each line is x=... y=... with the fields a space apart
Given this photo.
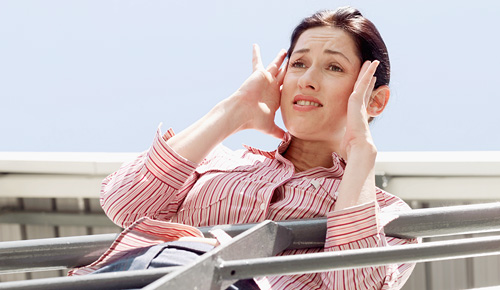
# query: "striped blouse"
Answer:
x=248 y=186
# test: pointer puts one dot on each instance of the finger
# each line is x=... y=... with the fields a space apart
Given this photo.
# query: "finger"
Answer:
x=274 y=66
x=365 y=78
x=362 y=71
x=373 y=67
x=281 y=75
x=221 y=236
x=209 y=241
x=256 y=59
x=369 y=91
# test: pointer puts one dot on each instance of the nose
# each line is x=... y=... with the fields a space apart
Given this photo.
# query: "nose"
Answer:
x=309 y=79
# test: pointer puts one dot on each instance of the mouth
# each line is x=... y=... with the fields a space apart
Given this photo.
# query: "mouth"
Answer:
x=301 y=100
x=307 y=103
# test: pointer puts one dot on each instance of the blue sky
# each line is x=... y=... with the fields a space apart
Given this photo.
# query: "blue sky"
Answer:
x=99 y=76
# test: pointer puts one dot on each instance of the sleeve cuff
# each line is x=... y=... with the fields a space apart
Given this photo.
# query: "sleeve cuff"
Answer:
x=143 y=233
x=164 y=163
x=352 y=224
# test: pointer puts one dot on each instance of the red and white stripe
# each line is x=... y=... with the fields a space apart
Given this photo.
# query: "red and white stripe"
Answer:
x=231 y=187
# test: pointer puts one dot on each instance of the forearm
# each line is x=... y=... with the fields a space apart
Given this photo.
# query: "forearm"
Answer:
x=196 y=141
x=252 y=106
x=148 y=186
x=358 y=183
x=360 y=227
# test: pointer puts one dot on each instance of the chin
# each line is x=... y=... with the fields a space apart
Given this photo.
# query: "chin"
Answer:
x=305 y=133
x=311 y=133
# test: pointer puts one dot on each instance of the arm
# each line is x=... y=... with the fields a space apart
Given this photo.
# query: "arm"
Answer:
x=358 y=183
x=355 y=222
x=357 y=228
x=152 y=185
x=252 y=106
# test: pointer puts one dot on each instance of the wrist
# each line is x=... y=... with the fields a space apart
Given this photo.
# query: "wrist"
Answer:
x=229 y=115
x=365 y=152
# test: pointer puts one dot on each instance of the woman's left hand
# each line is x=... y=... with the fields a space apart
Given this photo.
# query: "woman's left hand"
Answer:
x=357 y=147
x=357 y=134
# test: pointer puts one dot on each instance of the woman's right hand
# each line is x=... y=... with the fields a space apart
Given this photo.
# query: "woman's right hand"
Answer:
x=258 y=98
x=252 y=106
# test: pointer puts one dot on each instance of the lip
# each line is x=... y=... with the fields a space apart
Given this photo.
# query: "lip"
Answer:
x=305 y=98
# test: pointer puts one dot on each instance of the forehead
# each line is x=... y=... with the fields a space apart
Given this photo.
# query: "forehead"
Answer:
x=331 y=38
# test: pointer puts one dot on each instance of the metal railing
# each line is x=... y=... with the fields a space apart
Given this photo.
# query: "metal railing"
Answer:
x=228 y=263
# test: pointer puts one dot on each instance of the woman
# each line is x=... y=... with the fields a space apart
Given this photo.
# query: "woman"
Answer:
x=334 y=82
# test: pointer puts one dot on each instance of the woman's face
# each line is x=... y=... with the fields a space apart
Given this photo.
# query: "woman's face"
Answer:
x=320 y=77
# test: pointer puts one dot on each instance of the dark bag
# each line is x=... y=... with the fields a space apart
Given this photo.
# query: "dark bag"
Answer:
x=176 y=253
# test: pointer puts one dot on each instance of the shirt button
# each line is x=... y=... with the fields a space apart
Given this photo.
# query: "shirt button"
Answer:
x=262 y=206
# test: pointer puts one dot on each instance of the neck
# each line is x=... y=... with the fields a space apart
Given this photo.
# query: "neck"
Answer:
x=309 y=154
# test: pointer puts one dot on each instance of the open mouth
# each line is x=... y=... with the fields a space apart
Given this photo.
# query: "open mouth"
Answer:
x=307 y=103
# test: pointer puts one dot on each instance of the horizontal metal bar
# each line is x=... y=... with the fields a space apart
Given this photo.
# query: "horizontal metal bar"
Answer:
x=445 y=221
x=56 y=219
x=113 y=280
x=310 y=233
x=328 y=261
x=425 y=222
x=77 y=251
x=240 y=269
x=41 y=254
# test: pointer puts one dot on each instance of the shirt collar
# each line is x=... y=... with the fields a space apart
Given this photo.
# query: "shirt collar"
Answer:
x=338 y=162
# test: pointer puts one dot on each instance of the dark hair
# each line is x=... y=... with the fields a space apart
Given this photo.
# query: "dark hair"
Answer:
x=364 y=33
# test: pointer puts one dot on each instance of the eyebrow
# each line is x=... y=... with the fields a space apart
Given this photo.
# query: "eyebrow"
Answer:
x=327 y=51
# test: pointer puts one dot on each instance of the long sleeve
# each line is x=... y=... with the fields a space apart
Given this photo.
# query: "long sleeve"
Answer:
x=356 y=228
x=238 y=187
x=147 y=187
x=143 y=233
x=353 y=228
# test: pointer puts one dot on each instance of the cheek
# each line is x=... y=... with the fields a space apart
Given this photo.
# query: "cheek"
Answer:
x=340 y=91
x=338 y=99
x=287 y=89
x=345 y=91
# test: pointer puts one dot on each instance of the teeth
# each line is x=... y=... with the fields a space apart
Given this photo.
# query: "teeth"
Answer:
x=307 y=103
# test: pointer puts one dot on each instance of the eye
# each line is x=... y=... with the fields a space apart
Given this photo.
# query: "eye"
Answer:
x=334 y=67
x=298 y=64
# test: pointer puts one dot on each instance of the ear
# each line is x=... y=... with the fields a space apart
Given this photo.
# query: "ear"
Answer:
x=378 y=101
